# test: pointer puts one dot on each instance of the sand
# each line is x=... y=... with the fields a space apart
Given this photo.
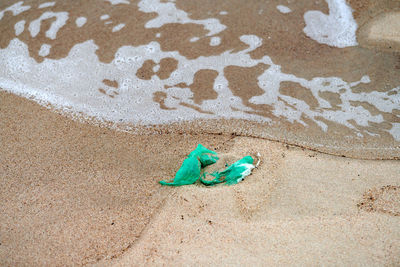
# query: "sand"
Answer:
x=75 y=193
x=78 y=193
x=298 y=208
x=382 y=32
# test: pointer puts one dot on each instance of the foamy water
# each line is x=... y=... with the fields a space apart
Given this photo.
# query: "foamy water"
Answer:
x=78 y=82
x=338 y=28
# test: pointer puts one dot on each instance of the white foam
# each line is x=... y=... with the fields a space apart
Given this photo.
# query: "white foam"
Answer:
x=118 y=27
x=223 y=13
x=104 y=17
x=75 y=81
x=156 y=68
x=44 y=50
x=364 y=79
x=270 y=82
x=72 y=83
x=252 y=41
x=395 y=131
x=47 y=4
x=117 y=2
x=194 y=39
x=283 y=9
x=215 y=41
x=16 y=9
x=336 y=29
x=19 y=27
x=168 y=13
x=80 y=21
x=61 y=19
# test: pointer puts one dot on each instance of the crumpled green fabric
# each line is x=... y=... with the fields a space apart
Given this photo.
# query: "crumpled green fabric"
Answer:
x=190 y=170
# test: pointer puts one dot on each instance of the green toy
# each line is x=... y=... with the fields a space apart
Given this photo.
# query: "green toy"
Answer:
x=190 y=171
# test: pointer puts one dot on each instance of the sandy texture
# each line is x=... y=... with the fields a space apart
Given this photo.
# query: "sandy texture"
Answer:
x=386 y=28
x=298 y=208
x=72 y=193
x=383 y=32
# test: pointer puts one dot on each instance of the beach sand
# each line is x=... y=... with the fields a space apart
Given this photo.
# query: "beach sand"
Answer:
x=72 y=193
x=75 y=193
x=382 y=31
x=298 y=208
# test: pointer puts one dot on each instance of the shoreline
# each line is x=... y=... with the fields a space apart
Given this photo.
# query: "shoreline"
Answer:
x=310 y=86
x=82 y=194
x=352 y=148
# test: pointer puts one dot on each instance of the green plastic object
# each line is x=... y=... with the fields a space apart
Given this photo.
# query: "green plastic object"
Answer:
x=190 y=170
x=233 y=174
x=204 y=155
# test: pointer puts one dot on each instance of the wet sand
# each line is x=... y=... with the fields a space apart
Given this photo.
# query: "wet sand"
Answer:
x=162 y=69
x=382 y=31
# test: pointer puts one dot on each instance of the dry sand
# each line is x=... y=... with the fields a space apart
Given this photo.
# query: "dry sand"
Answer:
x=73 y=193
x=298 y=208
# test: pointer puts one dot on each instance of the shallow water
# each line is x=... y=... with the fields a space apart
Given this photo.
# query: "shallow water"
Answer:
x=294 y=68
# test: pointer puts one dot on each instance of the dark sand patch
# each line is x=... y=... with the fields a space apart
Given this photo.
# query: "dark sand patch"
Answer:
x=72 y=193
x=385 y=200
